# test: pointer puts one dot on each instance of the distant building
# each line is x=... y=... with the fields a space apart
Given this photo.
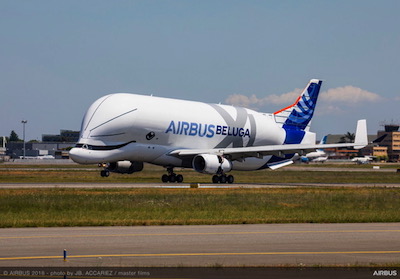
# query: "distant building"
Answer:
x=55 y=145
x=3 y=146
x=344 y=153
x=391 y=141
x=3 y=142
x=34 y=149
x=385 y=146
x=64 y=136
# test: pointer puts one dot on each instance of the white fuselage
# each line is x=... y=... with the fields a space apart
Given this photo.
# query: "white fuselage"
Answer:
x=131 y=127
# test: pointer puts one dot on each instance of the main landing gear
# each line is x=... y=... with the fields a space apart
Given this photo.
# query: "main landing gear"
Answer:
x=172 y=177
x=223 y=178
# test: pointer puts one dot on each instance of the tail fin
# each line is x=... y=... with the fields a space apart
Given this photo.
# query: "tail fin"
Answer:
x=361 y=134
x=323 y=141
x=298 y=116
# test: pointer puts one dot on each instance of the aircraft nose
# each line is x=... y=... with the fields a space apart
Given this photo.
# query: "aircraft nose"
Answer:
x=76 y=155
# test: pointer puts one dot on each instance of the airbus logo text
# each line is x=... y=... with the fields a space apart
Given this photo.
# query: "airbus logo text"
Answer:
x=205 y=130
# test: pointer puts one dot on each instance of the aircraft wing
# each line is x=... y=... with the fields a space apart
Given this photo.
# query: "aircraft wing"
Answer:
x=277 y=150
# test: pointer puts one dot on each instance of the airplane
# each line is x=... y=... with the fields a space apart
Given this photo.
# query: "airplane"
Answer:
x=121 y=131
x=40 y=157
x=363 y=160
x=321 y=159
x=316 y=156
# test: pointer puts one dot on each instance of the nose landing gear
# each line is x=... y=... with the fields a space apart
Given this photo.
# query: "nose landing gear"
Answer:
x=105 y=173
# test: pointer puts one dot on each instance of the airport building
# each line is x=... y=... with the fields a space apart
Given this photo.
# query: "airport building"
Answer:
x=385 y=146
x=342 y=153
x=3 y=146
x=389 y=138
x=59 y=150
x=56 y=146
x=64 y=136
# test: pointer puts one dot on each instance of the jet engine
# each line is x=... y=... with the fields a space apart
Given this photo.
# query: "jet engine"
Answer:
x=125 y=167
x=211 y=164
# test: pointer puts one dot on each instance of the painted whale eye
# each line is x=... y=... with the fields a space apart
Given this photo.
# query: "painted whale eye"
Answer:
x=150 y=135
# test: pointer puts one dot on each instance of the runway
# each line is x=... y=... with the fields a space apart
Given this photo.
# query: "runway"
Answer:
x=194 y=246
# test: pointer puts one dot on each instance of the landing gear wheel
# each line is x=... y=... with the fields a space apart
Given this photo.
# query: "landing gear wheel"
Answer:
x=215 y=179
x=165 y=178
x=105 y=173
x=230 y=179
x=179 y=178
x=222 y=179
x=172 y=178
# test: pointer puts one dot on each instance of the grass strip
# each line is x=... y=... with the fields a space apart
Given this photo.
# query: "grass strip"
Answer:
x=126 y=207
x=153 y=175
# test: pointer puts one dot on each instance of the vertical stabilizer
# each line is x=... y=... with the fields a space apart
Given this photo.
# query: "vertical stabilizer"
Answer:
x=298 y=116
x=361 y=138
x=323 y=141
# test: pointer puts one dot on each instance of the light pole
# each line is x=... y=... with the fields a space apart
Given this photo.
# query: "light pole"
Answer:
x=23 y=135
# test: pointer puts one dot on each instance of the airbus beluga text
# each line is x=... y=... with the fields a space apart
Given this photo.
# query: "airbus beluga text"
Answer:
x=122 y=131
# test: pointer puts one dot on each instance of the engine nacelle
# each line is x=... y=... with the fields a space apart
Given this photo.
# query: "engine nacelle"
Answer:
x=125 y=167
x=211 y=164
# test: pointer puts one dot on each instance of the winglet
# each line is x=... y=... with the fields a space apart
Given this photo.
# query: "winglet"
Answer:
x=361 y=139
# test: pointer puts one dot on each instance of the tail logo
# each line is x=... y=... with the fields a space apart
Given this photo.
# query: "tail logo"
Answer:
x=303 y=110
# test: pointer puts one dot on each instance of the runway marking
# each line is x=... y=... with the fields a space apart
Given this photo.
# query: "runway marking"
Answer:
x=202 y=254
x=197 y=233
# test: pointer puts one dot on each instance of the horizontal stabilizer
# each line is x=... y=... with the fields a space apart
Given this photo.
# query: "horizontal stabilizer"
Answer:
x=277 y=165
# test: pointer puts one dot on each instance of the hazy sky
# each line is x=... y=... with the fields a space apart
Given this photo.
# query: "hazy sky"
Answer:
x=57 y=57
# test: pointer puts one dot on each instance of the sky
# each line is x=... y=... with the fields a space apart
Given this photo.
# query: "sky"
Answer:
x=58 y=57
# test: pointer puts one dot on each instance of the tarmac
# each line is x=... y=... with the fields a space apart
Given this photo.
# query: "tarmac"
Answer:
x=203 y=246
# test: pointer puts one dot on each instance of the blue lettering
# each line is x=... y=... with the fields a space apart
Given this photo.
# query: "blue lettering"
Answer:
x=171 y=127
x=237 y=131
x=211 y=132
x=193 y=129
x=219 y=130
x=184 y=128
x=224 y=130
x=202 y=133
x=204 y=130
x=230 y=131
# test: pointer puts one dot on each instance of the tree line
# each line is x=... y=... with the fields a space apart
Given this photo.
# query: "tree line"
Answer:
x=13 y=138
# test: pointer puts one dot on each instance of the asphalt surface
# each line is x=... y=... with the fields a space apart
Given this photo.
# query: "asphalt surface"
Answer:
x=222 y=245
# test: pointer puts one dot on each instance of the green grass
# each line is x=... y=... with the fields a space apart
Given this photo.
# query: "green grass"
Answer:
x=81 y=207
x=151 y=174
x=112 y=207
